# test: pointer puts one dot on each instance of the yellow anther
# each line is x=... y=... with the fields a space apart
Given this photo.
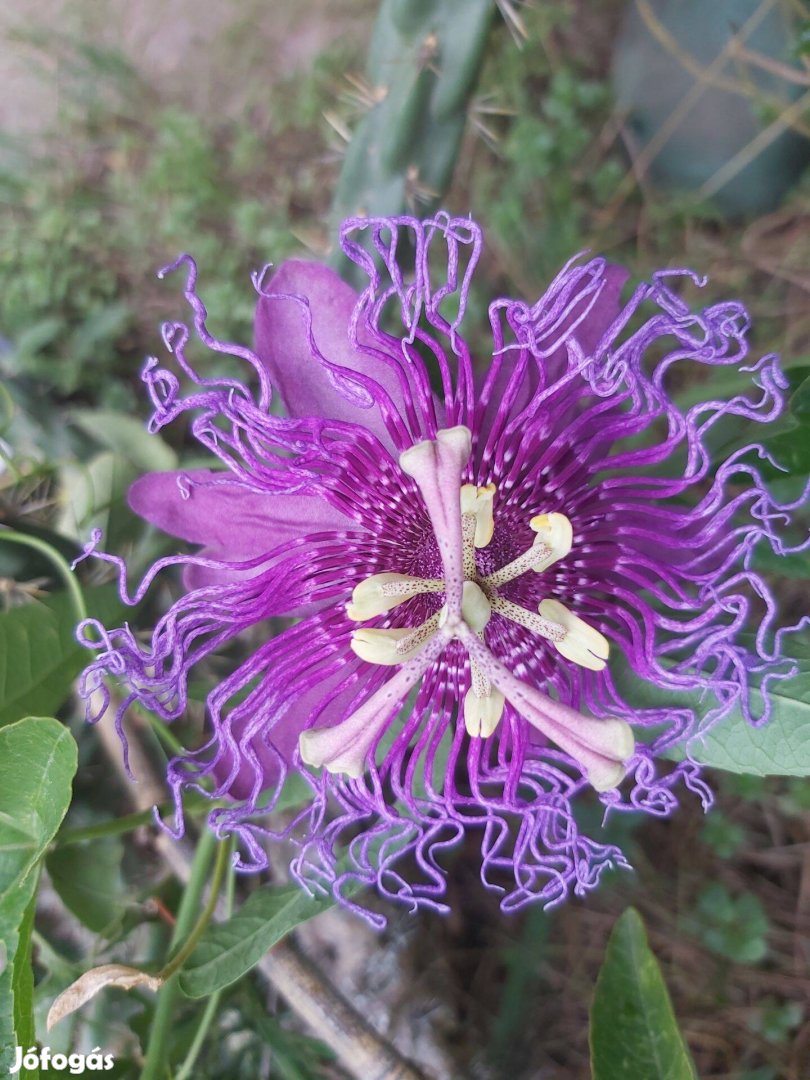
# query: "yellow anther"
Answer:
x=397 y=645
x=482 y=714
x=380 y=646
x=478 y=502
x=582 y=644
x=382 y=592
x=555 y=531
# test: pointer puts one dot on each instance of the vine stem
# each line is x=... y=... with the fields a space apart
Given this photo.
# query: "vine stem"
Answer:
x=66 y=574
x=156 y=1065
x=191 y=942
x=210 y=1011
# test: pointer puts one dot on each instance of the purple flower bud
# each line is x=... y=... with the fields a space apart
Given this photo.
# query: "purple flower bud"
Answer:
x=456 y=548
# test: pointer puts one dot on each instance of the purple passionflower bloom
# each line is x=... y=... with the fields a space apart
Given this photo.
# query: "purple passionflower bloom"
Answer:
x=454 y=551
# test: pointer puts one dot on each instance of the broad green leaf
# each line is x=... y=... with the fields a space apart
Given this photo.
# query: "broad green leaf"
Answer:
x=796 y=565
x=779 y=748
x=790 y=447
x=92 y=493
x=295 y=792
x=230 y=949
x=633 y=1031
x=39 y=654
x=22 y=987
x=38 y=759
x=87 y=878
x=726 y=382
x=94 y=490
x=800 y=400
x=128 y=437
x=788 y=439
x=14 y=1023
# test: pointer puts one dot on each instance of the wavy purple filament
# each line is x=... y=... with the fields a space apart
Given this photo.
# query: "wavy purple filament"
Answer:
x=572 y=415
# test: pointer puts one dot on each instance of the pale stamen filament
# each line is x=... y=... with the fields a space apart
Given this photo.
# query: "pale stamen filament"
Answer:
x=481 y=685
x=413 y=586
x=551 y=631
x=537 y=558
x=420 y=635
x=468 y=528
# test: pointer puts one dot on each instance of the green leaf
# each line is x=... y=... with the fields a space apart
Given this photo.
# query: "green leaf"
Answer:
x=726 y=382
x=634 y=1032
x=22 y=987
x=779 y=748
x=800 y=399
x=95 y=488
x=230 y=949
x=12 y=953
x=39 y=654
x=128 y=437
x=88 y=879
x=38 y=759
x=788 y=439
x=734 y=927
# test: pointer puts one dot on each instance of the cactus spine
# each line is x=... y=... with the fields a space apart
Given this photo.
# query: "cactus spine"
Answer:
x=423 y=62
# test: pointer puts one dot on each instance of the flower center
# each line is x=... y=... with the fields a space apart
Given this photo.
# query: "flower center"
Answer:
x=566 y=632
x=463 y=521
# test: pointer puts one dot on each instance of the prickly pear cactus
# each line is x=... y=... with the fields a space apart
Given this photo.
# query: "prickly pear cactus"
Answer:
x=423 y=62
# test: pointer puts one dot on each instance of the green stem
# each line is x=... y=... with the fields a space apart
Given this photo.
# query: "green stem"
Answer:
x=156 y=1063
x=105 y=828
x=210 y=1011
x=162 y=731
x=67 y=575
x=201 y=925
x=193 y=807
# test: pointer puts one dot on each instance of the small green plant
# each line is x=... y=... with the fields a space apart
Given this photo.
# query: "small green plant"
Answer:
x=776 y=1020
x=724 y=837
x=733 y=927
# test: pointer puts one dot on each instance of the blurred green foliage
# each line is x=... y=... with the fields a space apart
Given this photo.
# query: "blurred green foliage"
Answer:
x=125 y=185
x=776 y=1020
x=545 y=160
x=723 y=836
x=734 y=927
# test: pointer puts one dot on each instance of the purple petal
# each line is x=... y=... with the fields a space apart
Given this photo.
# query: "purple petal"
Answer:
x=232 y=522
x=604 y=312
x=586 y=333
x=303 y=379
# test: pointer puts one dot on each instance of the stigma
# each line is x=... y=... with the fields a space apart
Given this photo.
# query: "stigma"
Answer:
x=463 y=517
